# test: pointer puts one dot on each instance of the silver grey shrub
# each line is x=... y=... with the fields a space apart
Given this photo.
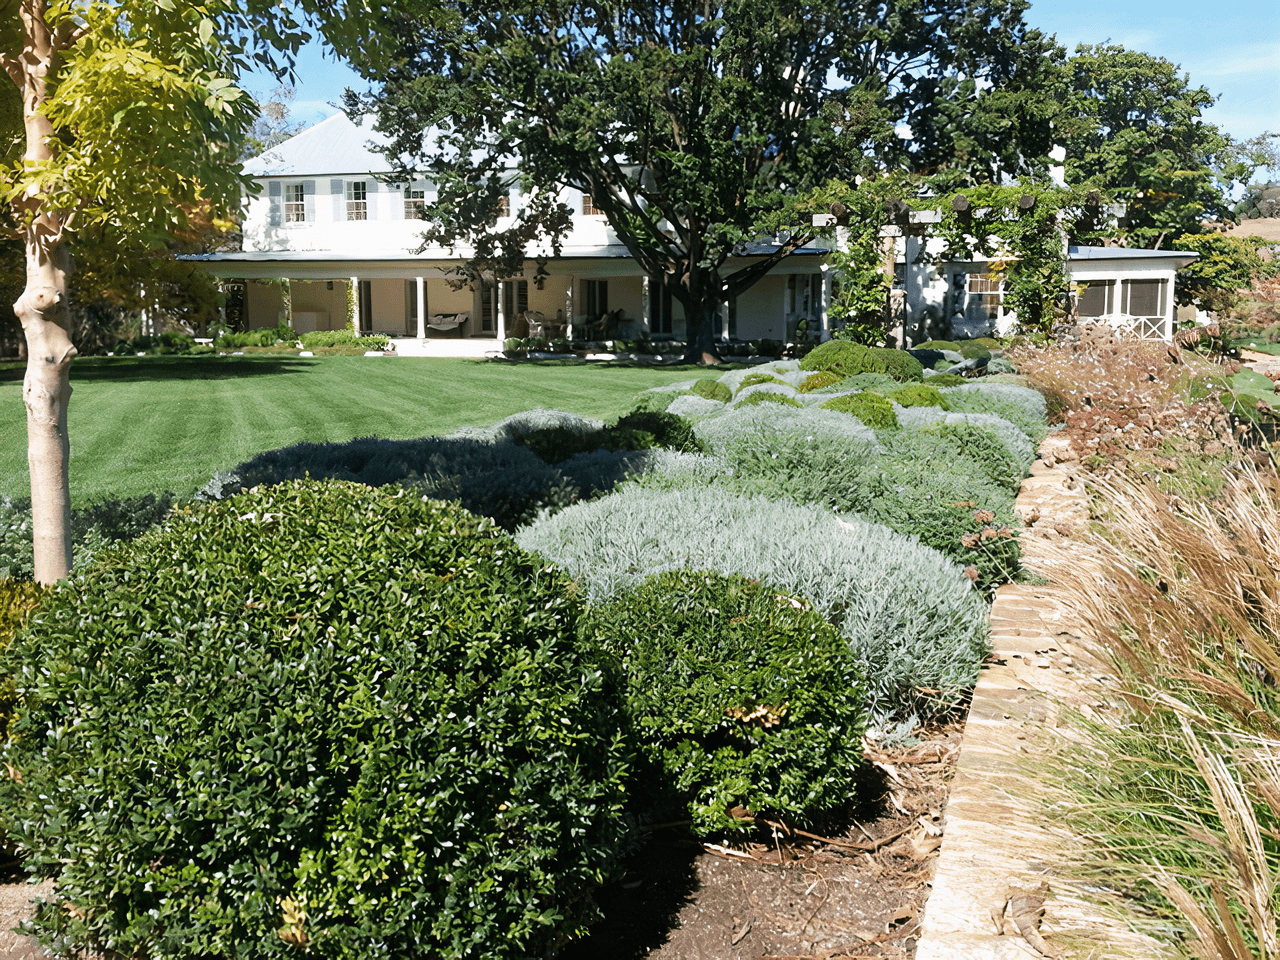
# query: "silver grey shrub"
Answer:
x=1023 y=407
x=1018 y=443
x=912 y=619
x=521 y=424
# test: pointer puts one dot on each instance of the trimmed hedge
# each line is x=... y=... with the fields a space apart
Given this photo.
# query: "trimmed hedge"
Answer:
x=745 y=699
x=315 y=716
x=915 y=625
x=319 y=339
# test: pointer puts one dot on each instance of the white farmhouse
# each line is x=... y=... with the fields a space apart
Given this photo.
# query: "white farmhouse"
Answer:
x=348 y=242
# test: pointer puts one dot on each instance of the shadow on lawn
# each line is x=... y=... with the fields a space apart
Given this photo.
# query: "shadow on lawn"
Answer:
x=141 y=369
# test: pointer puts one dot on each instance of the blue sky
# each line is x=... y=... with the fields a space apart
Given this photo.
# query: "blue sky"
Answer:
x=1232 y=47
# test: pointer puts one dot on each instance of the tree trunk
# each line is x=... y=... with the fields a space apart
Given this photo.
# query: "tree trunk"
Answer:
x=702 y=324
x=46 y=390
x=42 y=308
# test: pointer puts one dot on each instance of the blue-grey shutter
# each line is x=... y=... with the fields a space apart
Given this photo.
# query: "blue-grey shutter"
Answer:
x=275 y=214
x=309 y=200
x=338 y=191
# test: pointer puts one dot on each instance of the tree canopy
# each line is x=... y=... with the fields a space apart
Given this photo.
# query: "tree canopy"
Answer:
x=1133 y=125
x=693 y=126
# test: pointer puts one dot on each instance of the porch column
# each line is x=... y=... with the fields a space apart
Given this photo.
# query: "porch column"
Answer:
x=501 y=312
x=646 y=305
x=568 y=309
x=824 y=320
x=724 y=319
x=353 y=304
x=422 y=307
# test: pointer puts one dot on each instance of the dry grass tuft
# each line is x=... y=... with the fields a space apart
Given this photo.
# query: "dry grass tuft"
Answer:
x=1178 y=793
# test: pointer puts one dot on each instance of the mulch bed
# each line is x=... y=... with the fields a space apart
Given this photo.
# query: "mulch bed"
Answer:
x=796 y=896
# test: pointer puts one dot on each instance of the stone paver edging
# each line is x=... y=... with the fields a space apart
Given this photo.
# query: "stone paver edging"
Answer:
x=997 y=841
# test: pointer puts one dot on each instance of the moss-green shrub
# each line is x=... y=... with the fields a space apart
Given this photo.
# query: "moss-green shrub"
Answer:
x=990 y=343
x=640 y=430
x=938 y=345
x=871 y=408
x=712 y=390
x=945 y=380
x=819 y=381
x=917 y=395
x=843 y=357
x=316 y=711
x=762 y=396
x=974 y=351
x=740 y=694
x=1023 y=407
x=899 y=364
x=754 y=379
x=655 y=401
x=916 y=626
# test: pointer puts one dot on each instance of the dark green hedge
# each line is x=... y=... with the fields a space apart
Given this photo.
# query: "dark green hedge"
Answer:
x=315 y=713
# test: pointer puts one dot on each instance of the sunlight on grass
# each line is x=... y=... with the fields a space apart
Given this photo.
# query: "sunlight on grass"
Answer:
x=139 y=425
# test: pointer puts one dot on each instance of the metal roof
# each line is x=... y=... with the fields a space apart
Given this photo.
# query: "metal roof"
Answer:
x=1127 y=253
x=333 y=146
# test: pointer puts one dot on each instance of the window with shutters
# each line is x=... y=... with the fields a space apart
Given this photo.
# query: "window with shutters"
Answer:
x=357 y=200
x=415 y=204
x=295 y=203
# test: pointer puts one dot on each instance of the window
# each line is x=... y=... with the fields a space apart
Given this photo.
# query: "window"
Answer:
x=1097 y=299
x=1144 y=298
x=985 y=293
x=504 y=205
x=415 y=204
x=357 y=200
x=295 y=203
x=515 y=298
x=589 y=209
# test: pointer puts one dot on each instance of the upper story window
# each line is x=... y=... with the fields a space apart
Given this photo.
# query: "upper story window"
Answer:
x=415 y=204
x=357 y=200
x=589 y=209
x=504 y=205
x=295 y=203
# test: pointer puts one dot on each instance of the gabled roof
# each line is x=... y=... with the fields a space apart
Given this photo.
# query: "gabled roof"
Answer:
x=334 y=146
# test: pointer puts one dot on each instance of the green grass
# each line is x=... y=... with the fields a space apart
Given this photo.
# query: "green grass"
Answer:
x=145 y=424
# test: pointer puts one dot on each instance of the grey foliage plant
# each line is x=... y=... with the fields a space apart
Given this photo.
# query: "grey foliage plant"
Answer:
x=912 y=619
x=1023 y=407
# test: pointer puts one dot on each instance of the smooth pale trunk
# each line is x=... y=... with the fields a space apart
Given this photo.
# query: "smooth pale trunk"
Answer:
x=46 y=391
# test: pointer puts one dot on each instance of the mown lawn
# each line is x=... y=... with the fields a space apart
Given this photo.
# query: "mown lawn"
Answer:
x=145 y=424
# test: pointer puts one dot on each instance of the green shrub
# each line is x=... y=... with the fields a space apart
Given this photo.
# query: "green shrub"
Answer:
x=843 y=357
x=741 y=695
x=314 y=713
x=945 y=380
x=879 y=382
x=871 y=408
x=764 y=396
x=712 y=390
x=502 y=481
x=915 y=625
x=554 y=444
x=318 y=339
x=655 y=401
x=974 y=351
x=819 y=381
x=917 y=395
x=640 y=430
x=938 y=345
x=18 y=600
x=899 y=364
x=754 y=379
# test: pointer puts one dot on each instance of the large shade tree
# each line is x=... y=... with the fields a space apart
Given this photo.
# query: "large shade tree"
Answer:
x=1134 y=125
x=131 y=119
x=693 y=124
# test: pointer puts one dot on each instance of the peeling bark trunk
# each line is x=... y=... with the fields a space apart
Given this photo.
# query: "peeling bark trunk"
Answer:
x=42 y=309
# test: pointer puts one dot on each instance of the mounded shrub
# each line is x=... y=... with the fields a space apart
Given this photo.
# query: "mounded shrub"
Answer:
x=319 y=339
x=843 y=357
x=764 y=396
x=695 y=407
x=746 y=699
x=974 y=351
x=917 y=395
x=819 y=381
x=1023 y=407
x=712 y=390
x=938 y=345
x=315 y=717
x=871 y=408
x=642 y=430
x=915 y=625
x=879 y=382
x=899 y=364
x=654 y=401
